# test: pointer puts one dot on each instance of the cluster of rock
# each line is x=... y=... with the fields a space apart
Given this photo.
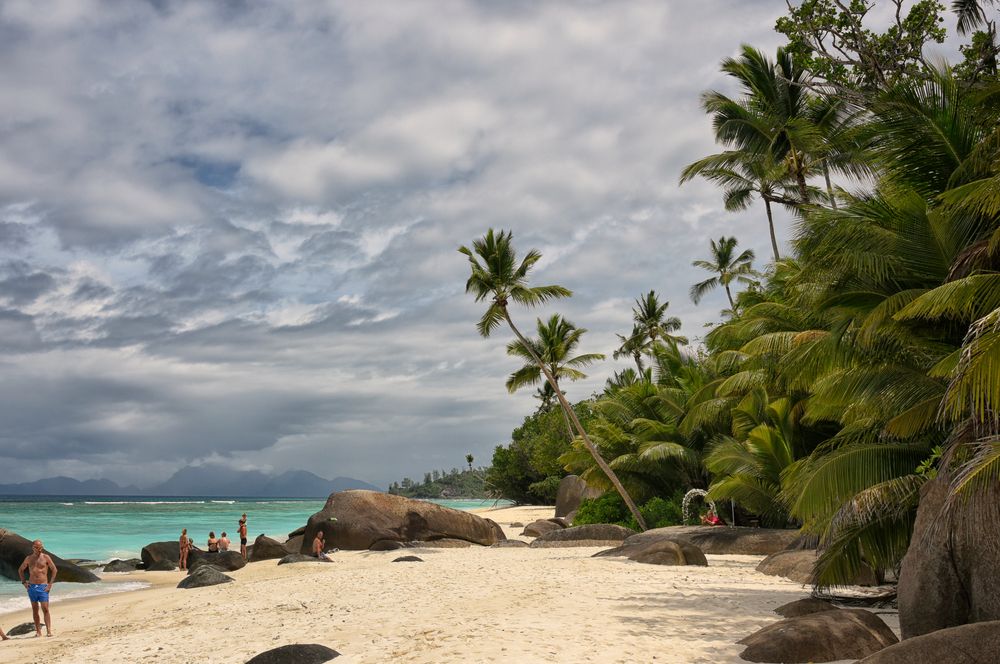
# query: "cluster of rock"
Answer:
x=14 y=549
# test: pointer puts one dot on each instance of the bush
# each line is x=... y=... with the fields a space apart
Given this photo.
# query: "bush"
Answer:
x=659 y=512
x=610 y=508
x=544 y=492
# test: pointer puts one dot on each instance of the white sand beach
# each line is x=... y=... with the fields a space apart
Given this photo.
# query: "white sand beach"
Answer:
x=459 y=605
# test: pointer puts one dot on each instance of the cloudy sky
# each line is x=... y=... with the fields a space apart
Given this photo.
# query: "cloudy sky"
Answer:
x=228 y=230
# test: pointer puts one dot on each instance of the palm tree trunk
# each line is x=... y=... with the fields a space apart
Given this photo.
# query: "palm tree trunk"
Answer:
x=770 y=225
x=732 y=305
x=638 y=362
x=800 y=177
x=829 y=187
x=569 y=427
x=568 y=411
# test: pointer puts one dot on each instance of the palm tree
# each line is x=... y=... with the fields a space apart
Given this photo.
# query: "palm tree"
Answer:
x=497 y=276
x=469 y=459
x=557 y=339
x=650 y=326
x=631 y=346
x=727 y=266
x=744 y=175
x=769 y=120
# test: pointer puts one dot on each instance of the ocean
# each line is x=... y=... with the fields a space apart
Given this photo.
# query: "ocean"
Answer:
x=102 y=528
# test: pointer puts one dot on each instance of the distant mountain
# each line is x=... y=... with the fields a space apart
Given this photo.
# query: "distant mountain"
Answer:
x=67 y=486
x=199 y=481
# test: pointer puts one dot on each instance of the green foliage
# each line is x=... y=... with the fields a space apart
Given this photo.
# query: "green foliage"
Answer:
x=658 y=512
x=465 y=483
x=834 y=40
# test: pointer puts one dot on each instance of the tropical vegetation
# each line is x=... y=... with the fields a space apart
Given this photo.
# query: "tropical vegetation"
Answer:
x=864 y=358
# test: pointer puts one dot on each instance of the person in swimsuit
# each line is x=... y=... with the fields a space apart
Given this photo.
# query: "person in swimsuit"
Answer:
x=224 y=542
x=38 y=584
x=213 y=544
x=318 y=546
x=243 y=535
x=185 y=546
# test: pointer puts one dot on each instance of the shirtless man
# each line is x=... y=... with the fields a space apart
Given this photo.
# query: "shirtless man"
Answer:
x=224 y=542
x=38 y=584
x=318 y=546
x=243 y=535
x=185 y=547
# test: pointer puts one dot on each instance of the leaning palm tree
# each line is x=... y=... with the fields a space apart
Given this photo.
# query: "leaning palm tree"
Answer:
x=497 y=276
x=631 y=346
x=727 y=266
x=557 y=339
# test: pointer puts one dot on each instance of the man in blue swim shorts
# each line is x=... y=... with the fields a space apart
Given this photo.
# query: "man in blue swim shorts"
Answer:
x=38 y=564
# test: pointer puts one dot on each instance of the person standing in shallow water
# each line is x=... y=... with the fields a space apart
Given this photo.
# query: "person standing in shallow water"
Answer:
x=243 y=535
x=38 y=584
x=185 y=547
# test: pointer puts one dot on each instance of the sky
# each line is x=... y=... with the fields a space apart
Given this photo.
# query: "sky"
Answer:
x=229 y=230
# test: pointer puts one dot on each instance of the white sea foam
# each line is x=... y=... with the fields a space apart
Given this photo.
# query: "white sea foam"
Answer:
x=224 y=502
x=144 y=502
x=10 y=604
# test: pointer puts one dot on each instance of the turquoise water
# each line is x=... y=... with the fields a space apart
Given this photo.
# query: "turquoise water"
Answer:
x=101 y=528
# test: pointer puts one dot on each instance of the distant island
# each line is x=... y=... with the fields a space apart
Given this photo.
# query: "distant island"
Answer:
x=208 y=480
x=465 y=483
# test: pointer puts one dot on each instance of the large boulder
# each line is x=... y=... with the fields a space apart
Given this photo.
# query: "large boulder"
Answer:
x=573 y=490
x=161 y=566
x=592 y=532
x=228 y=561
x=14 y=549
x=130 y=565
x=156 y=552
x=205 y=575
x=721 y=540
x=658 y=552
x=265 y=548
x=497 y=530
x=803 y=607
x=797 y=565
x=951 y=571
x=670 y=553
x=977 y=643
x=819 y=637
x=354 y=520
x=297 y=653
x=540 y=527
x=509 y=544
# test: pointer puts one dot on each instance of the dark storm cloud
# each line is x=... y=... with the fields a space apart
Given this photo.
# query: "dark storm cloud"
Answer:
x=228 y=231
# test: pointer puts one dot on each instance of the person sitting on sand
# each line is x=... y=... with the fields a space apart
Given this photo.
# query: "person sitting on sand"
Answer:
x=185 y=546
x=224 y=542
x=710 y=519
x=243 y=535
x=38 y=584
x=318 y=547
x=213 y=544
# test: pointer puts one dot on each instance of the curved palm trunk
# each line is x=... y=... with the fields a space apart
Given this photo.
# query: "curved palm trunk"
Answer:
x=729 y=294
x=568 y=411
x=569 y=427
x=637 y=356
x=770 y=226
x=829 y=186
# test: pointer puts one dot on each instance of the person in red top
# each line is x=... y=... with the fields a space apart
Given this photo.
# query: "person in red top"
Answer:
x=710 y=519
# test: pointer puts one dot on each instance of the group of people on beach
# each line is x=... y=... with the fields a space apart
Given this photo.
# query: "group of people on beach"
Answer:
x=215 y=544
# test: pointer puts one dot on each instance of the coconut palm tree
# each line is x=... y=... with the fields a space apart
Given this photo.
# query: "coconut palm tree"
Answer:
x=744 y=175
x=556 y=342
x=497 y=276
x=727 y=266
x=631 y=346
